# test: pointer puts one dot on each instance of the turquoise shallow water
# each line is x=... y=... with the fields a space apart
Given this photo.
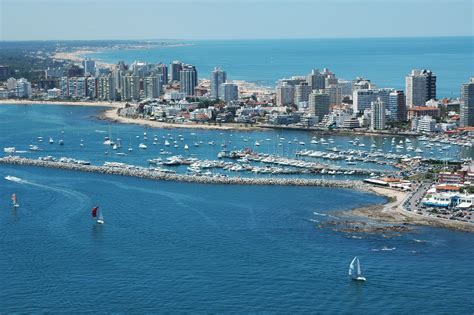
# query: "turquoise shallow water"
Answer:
x=386 y=61
x=185 y=247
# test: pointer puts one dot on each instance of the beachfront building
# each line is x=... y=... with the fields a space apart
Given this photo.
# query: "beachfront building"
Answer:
x=420 y=87
x=152 y=86
x=319 y=104
x=91 y=88
x=228 y=92
x=285 y=94
x=377 y=117
x=53 y=93
x=130 y=87
x=466 y=108
x=188 y=79
x=218 y=77
x=106 y=88
x=11 y=84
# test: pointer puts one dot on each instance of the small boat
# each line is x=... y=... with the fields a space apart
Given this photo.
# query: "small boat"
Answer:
x=142 y=146
x=100 y=219
x=15 y=201
x=130 y=149
x=186 y=147
x=51 y=141
x=167 y=143
x=257 y=143
x=9 y=150
x=114 y=147
x=40 y=139
x=354 y=270
x=61 y=142
x=34 y=147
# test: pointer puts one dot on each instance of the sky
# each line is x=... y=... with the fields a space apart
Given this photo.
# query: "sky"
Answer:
x=232 y=19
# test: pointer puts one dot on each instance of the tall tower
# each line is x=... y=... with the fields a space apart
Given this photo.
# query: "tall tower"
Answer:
x=467 y=104
x=420 y=87
x=175 y=68
x=377 y=118
x=188 y=79
x=218 y=77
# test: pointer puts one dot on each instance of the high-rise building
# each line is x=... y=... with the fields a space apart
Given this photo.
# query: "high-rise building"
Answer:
x=397 y=106
x=64 y=87
x=360 y=83
x=302 y=92
x=175 y=69
x=23 y=88
x=467 y=104
x=362 y=99
x=316 y=80
x=11 y=84
x=89 y=66
x=130 y=87
x=106 y=88
x=76 y=87
x=335 y=93
x=91 y=88
x=152 y=87
x=285 y=94
x=319 y=104
x=377 y=117
x=228 y=92
x=162 y=72
x=218 y=77
x=188 y=79
x=420 y=87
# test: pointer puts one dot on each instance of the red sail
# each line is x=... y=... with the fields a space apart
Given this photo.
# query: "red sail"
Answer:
x=94 y=211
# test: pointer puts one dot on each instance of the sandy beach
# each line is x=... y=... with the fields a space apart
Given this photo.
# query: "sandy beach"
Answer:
x=77 y=57
x=392 y=212
x=112 y=115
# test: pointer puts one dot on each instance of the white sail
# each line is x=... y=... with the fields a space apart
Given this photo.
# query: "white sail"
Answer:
x=355 y=271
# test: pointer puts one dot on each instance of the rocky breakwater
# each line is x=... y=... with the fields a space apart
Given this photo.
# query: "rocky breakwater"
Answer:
x=133 y=171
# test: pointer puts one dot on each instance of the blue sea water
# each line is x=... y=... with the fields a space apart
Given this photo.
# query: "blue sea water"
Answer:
x=180 y=247
x=385 y=61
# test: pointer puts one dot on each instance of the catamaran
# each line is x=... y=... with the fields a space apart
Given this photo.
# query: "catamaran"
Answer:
x=100 y=219
x=354 y=270
x=15 y=201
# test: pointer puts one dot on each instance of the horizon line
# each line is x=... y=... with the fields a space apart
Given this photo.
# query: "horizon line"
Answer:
x=237 y=39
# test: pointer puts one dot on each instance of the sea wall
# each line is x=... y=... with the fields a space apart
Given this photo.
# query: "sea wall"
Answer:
x=157 y=175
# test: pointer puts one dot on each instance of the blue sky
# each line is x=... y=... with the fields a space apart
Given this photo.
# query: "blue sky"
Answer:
x=232 y=19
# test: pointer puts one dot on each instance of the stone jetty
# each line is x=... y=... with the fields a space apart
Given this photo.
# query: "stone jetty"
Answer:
x=133 y=171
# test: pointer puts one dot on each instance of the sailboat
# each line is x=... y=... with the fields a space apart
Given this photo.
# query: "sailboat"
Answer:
x=15 y=201
x=100 y=219
x=354 y=270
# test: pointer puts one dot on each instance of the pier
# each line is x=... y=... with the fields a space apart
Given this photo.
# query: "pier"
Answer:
x=141 y=172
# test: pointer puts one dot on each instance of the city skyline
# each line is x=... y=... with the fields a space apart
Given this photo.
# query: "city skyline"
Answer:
x=197 y=20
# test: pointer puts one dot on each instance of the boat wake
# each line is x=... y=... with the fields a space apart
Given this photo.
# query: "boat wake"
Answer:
x=100 y=131
x=16 y=179
x=383 y=249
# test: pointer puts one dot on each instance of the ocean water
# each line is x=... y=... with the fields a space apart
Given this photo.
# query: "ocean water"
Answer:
x=385 y=61
x=180 y=247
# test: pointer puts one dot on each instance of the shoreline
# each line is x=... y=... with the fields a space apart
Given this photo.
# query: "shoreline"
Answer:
x=392 y=212
x=113 y=116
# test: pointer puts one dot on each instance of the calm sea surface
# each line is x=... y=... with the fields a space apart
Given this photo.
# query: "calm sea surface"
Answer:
x=385 y=61
x=169 y=246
